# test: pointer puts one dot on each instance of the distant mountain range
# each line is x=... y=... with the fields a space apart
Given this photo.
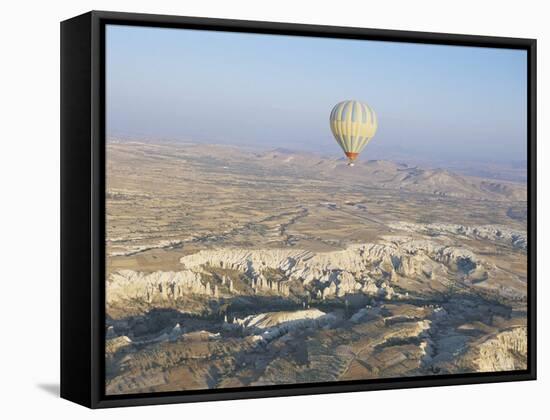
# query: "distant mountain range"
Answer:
x=392 y=175
x=371 y=173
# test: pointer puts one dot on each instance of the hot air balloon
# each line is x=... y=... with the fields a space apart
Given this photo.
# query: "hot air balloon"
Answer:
x=353 y=125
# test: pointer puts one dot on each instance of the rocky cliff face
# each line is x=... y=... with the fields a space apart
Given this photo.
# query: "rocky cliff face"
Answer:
x=160 y=285
x=359 y=268
x=495 y=233
x=504 y=351
x=270 y=325
x=369 y=269
x=274 y=319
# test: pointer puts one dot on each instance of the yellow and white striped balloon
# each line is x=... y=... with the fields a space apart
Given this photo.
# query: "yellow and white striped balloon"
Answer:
x=353 y=125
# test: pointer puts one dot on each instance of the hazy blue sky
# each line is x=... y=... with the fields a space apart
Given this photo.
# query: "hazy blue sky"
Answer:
x=432 y=102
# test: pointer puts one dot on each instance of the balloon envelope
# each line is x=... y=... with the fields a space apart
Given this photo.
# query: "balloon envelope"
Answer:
x=353 y=125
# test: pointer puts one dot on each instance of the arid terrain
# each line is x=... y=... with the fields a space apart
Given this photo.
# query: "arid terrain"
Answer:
x=228 y=267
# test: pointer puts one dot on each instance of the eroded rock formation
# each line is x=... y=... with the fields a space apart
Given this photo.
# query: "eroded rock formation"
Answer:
x=366 y=268
x=160 y=285
x=495 y=233
x=505 y=351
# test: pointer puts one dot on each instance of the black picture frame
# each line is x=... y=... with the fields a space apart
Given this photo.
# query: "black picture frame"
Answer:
x=83 y=204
